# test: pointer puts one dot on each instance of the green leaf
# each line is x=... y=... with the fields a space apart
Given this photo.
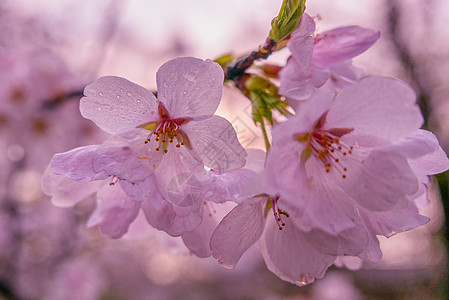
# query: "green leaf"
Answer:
x=287 y=20
x=265 y=99
x=225 y=60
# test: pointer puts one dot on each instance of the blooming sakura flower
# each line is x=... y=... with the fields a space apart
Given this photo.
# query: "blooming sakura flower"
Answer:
x=340 y=172
x=158 y=146
x=326 y=56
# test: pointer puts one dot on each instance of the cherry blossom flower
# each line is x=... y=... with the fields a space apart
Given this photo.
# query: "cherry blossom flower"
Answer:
x=340 y=172
x=159 y=147
x=328 y=55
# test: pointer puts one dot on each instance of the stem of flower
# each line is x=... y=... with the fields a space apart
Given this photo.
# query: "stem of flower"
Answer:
x=265 y=135
x=239 y=67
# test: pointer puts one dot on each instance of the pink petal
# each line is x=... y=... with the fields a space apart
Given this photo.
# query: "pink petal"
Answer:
x=381 y=182
x=227 y=186
x=160 y=214
x=344 y=73
x=127 y=156
x=435 y=161
x=342 y=43
x=306 y=192
x=238 y=231
x=376 y=106
x=388 y=223
x=117 y=105
x=301 y=42
x=178 y=180
x=198 y=240
x=190 y=87
x=349 y=242
x=255 y=161
x=67 y=192
x=141 y=190
x=297 y=83
x=289 y=255
x=350 y=262
x=307 y=115
x=114 y=212
x=77 y=164
x=321 y=205
x=215 y=141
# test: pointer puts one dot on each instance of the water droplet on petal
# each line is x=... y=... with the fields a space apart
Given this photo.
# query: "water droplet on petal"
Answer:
x=118 y=96
x=121 y=90
x=100 y=93
x=129 y=94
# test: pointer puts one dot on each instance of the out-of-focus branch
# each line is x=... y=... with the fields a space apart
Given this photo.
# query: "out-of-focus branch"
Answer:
x=412 y=67
x=407 y=59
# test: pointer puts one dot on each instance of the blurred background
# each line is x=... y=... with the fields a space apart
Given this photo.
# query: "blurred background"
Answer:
x=50 y=50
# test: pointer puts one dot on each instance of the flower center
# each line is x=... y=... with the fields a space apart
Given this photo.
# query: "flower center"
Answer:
x=325 y=145
x=166 y=131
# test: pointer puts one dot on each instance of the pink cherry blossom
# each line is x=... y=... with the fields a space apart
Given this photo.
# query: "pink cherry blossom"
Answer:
x=346 y=168
x=158 y=148
x=327 y=56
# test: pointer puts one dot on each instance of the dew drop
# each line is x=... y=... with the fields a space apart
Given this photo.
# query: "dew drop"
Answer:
x=101 y=94
x=118 y=96
x=129 y=94
x=121 y=90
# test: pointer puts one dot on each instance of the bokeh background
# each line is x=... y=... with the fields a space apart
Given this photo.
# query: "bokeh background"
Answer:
x=51 y=49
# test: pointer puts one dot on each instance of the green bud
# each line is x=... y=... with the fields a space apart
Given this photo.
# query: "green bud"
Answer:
x=287 y=20
x=225 y=60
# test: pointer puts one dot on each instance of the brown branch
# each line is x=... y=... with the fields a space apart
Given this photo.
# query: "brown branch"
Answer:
x=238 y=69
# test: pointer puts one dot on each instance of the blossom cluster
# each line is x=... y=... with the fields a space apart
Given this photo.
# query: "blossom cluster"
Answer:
x=348 y=163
